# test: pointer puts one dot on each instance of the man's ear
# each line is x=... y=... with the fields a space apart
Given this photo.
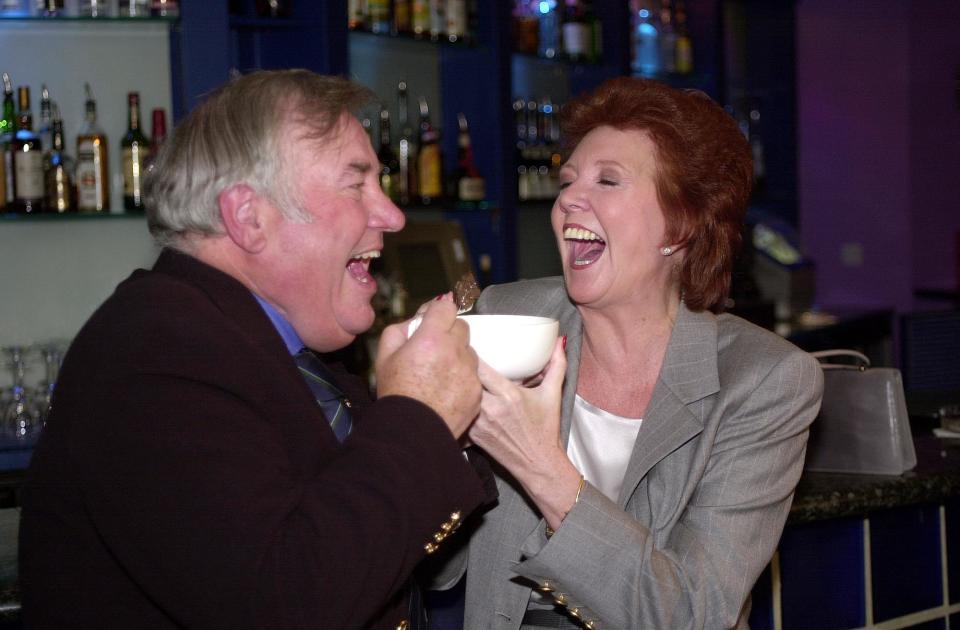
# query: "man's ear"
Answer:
x=241 y=210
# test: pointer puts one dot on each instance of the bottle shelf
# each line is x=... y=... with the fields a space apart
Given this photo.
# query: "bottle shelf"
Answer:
x=73 y=19
x=465 y=42
x=14 y=217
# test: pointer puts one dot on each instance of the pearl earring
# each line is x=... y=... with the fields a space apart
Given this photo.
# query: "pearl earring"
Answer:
x=666 y=251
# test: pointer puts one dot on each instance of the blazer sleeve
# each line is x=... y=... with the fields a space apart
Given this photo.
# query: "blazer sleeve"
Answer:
x=203 y=507
x=699 y=575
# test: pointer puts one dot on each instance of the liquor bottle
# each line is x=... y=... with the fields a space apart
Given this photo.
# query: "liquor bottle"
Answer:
x=356 y=15
x=549 y=32
x=50 y=8
x=429 y=162
x=456 y=19
x=389 y=165
x=8 y=126
x=379 y=14
x=45 y=126
x=684 y=49
x=470 y=184
x=27 y=160
x=667 y=38
x=402 y=17
x=93 y=8
x=164 y=8
x=437 y=20
x=58 y=172
x=93 y=183
x=646 y=51
x=407 y=148
x=134 y=8
x=421 y=18
x=596 y=32
x=135 y=150
x=576 y=31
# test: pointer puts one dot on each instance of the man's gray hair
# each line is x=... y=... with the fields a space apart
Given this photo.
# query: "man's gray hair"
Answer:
x=237 y=135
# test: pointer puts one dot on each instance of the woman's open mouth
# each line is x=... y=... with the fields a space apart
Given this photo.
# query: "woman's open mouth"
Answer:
x=585 y=246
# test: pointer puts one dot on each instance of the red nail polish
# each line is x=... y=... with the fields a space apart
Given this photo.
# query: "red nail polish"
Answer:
x=564 y=342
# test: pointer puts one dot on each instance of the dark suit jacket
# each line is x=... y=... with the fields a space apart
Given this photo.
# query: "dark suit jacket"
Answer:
x=187 y=477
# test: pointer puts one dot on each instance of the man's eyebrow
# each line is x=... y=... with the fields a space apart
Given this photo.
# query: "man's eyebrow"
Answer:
x=359 y=167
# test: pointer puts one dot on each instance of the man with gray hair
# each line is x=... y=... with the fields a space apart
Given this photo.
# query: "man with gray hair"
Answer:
x=203 y=467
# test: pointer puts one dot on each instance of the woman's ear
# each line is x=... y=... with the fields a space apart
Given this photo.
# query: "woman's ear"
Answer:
x=241 y=210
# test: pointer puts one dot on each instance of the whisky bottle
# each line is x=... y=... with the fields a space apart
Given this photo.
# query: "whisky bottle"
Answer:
x=135 y=149
x=27 y=160
x=421 y=18
x=407 y=148
x=389 y=164
x=58 y=171
x=402 y=18
x=379 y=12
x=8 y=126
x=429 y=163
x=456 y=19
x=684 y=48
x=667 y=39
x=576 y=31
x=93 y=183
x=470 y=184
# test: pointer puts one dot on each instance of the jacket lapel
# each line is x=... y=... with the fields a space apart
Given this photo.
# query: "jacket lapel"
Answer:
x=689 y=374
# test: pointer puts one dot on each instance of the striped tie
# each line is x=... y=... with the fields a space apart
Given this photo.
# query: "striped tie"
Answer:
x=332 y=401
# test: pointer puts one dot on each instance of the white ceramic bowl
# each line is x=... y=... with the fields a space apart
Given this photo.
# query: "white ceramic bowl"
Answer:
x=516 y=346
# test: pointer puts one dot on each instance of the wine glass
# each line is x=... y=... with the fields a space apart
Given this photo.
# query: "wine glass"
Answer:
x=19 y=420
x=52 y=355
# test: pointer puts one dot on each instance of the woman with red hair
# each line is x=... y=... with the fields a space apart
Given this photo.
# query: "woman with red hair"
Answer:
x=645 y=482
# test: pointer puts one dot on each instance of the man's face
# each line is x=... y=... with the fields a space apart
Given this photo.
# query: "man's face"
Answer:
x=319 y=276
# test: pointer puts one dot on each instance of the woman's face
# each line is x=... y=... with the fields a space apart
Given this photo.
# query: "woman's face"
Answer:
x=608 y=222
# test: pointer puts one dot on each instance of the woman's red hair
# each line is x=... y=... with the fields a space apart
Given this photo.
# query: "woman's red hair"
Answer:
x=704 y=173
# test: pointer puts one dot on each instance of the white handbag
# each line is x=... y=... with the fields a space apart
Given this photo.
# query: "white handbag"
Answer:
x=863 y=426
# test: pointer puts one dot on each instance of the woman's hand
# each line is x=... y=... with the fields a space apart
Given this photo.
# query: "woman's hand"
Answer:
x=520 y=428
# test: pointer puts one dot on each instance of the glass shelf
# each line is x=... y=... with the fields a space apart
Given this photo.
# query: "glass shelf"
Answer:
x=85 y=19
x=467 y=42
x=13 y=217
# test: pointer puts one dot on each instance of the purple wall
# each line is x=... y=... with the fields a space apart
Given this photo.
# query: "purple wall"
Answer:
x=879 y=147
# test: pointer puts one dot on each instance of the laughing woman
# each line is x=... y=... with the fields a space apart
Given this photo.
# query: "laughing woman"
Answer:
x=646 y=481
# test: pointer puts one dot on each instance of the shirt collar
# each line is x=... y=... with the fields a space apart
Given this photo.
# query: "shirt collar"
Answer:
x=289 y=335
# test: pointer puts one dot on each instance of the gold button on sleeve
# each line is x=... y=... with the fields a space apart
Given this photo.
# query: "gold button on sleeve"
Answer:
x=574 y=612
x=561 y=599
x=430 y=547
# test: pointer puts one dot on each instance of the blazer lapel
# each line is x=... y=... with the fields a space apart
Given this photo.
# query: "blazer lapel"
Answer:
x=689 y=373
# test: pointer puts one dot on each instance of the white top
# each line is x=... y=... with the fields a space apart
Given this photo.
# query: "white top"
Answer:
x=600 y=446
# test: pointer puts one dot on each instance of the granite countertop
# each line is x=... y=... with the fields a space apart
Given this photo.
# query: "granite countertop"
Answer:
x=936 y=477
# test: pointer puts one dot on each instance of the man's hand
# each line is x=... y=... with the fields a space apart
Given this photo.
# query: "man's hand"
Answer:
x=435 y=366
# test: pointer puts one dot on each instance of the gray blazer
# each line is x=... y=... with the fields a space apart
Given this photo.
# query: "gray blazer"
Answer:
x=704 y=499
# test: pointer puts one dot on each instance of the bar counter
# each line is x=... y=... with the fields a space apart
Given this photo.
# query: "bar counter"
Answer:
x=822 y=504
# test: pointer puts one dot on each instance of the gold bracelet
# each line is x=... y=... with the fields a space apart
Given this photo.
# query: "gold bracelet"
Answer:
x=549 y=531
x=583 y=481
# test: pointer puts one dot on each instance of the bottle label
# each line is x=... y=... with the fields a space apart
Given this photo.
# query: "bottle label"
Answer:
x=91 y=182
x=134 y=161
x=430 y=180
x=576 y=39
x=471 y=189
x=29 y=175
